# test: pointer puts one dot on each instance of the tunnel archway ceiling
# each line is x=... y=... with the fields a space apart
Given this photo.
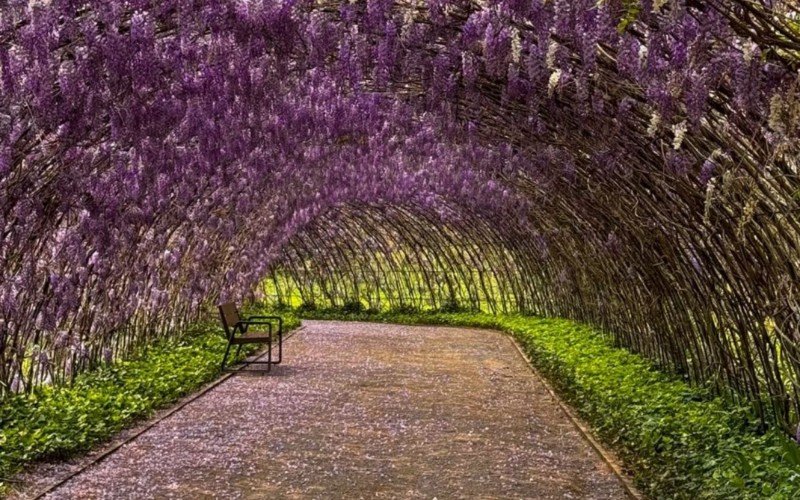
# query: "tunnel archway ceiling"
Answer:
x=628 y=163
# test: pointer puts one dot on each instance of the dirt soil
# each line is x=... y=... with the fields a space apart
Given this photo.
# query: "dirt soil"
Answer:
x=363 y=410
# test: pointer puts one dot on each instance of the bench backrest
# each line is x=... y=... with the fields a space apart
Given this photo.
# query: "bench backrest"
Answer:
x=229 y=315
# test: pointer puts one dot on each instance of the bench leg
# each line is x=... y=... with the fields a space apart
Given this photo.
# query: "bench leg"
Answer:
x=225 y=357
x=269 y=354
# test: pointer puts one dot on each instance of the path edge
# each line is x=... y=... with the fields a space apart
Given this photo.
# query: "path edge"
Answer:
x=608 y=457
x=61 y=481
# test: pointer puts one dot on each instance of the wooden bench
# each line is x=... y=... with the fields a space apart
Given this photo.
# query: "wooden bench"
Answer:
x=238 y=332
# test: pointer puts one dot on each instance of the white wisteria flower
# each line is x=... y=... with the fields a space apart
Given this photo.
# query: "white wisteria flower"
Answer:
x=679 y=129
x=655 y=123
x=551 y=55
x=555 y=78
x=516 y=45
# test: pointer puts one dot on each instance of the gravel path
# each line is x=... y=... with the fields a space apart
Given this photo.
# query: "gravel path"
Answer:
x=363 y=410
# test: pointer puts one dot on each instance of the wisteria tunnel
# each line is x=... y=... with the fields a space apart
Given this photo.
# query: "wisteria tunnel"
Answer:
x=631 y=164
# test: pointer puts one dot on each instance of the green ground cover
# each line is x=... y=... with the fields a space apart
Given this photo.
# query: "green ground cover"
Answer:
x=59 y=422
x=679 y=441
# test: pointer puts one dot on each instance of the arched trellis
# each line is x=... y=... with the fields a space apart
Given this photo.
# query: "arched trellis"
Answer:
x=653 y=143
x=396 y=258
x=652 y=313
